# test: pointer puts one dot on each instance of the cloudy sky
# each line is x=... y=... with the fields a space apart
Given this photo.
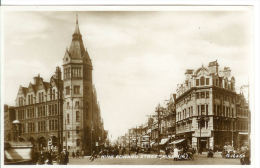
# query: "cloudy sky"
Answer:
x=138 y=57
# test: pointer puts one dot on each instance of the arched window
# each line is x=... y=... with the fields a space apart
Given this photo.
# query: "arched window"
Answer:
x=202 y=81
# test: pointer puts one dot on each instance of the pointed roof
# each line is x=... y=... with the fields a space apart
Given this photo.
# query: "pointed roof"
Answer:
x=77 y=26
x=77 y=49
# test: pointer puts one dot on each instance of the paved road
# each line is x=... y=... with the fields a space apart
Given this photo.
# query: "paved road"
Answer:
x=152 y=160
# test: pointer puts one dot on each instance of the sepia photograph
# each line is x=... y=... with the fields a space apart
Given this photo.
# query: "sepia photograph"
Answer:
x=147 y=85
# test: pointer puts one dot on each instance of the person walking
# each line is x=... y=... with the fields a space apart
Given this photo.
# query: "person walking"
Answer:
x=49 y=157
x=73 y=154
x=77 y=154
x=167 y=152
x=64 y=157
x=175 y=153
x=41 y=158
x=82 y=154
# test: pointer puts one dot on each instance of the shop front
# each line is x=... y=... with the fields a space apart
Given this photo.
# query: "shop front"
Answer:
x=201 y=140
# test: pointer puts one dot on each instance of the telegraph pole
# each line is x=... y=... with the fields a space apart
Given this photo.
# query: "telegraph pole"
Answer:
x=129 y=141
x=158 y=126
x=60 y=111
x=136 y=137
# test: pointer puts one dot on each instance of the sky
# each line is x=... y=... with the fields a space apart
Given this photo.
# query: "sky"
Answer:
x=138 y=57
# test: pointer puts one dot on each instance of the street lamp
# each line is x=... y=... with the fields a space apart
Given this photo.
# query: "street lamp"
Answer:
x=16 y=125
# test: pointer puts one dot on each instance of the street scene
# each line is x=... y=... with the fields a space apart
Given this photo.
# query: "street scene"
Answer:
x=127 y=87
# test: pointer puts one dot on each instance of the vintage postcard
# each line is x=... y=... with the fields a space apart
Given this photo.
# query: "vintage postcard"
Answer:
x=127 y=85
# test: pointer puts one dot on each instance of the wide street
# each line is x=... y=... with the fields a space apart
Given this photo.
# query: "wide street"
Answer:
x=146 y=159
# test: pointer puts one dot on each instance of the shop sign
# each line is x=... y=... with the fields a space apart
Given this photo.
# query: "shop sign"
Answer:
x=202 y=134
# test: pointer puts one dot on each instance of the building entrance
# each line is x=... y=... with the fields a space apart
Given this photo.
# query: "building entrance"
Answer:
x=203 y=145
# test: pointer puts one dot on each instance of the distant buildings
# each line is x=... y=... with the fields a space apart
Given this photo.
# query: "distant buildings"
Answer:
x=206 y=112
x=62 y=113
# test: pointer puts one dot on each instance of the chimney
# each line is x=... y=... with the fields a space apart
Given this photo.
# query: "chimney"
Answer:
x=174 y=97
x=58 y=73
x=227 y=72
x=37 y=79
x=213 y=67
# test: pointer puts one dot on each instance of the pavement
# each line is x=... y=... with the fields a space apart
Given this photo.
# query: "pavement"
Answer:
x=149 y=159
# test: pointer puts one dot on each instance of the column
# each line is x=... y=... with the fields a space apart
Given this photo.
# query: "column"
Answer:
x=211 y=143
x=194 y=142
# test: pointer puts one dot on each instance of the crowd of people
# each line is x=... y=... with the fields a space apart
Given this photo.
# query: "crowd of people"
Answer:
x=50 y=157
x=184 y=152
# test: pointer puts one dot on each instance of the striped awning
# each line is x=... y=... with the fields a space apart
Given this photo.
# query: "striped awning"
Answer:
x=18 y=154
x=177 y=141
x=164 y=140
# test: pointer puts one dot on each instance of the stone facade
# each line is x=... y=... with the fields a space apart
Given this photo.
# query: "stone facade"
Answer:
x=9 y=117
x=206 y=108
x=64 y=111
x=37 y=110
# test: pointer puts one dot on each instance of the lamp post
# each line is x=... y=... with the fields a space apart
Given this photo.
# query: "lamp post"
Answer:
x=16 y=131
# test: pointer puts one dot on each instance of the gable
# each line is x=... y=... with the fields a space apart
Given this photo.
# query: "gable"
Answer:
x=202 y=72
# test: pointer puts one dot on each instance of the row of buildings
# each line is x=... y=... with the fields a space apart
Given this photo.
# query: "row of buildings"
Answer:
x=62 y=112
x=206 y=112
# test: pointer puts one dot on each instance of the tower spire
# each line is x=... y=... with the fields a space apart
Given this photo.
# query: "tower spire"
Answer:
x=77 y=18
x=77 y=25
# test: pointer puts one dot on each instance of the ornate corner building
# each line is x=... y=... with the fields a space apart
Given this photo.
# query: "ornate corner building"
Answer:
x=63 y=111
x=209 y=112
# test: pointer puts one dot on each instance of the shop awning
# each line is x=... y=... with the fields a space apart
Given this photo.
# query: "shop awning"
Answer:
x=164 y=140
x=177 y=141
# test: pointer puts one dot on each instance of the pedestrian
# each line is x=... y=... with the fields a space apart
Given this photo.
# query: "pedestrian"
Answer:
x=137 y=150
x=35 y=156
x=123 y=151
x=41 y=158
x=64 y=157
x=77 y=154
x=73 y=154
x=82 y=154
x=92 y=157
x=67 y=157
x=175 y=153
x=49 y=157
x=167 y=151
